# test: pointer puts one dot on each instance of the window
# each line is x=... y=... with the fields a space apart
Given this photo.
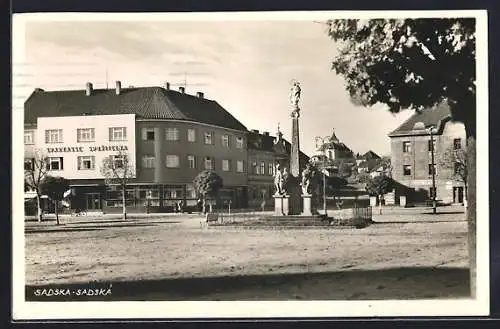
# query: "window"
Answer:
x=406 y=147
x=148 y=161
x=172 y=134
x=225 y=165
x=29 y=164
x=86 y=162
x=208 y=163
x=53 y=136
x=431 y=145
x=262 y=170
x=172 y=161
x=29 y=137
x=208 y=138
x=118 y=161
x=190 y=191
x=55 y=163
x=191 y=135
x=432 y=169
x=225 y=140
x=239 y=166
x=239 y=142
x=457 y=168
x=148 y=134
x=270 y=168
x=85 y=135
x=457 y=143
x=407 y=170
x=255 y=169
x=117 y=134
x=191 y=161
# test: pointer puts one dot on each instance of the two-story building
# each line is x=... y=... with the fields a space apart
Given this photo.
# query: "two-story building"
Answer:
x=412 y=152
x=167 y=136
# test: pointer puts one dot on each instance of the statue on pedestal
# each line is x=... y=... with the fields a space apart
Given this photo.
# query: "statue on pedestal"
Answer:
x=306 y=181
x=278 y=180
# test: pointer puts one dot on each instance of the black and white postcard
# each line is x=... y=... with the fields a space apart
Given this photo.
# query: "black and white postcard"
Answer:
x=249 y=165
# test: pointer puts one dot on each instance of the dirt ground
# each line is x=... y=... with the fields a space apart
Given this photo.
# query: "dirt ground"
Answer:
x=405 y=254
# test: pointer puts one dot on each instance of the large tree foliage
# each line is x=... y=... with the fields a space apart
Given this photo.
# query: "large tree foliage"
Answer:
x=118 y=169
x=378 y=186
x=35 y=170
x=54 y=188
x=414 y=64
x=409 y=63
x=207 y=183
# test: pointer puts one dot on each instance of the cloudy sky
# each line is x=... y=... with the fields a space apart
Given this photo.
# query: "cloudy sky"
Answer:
x=245 y=65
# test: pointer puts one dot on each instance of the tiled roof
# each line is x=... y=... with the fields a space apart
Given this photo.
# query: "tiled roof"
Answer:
x=145 y=102
x=429 y=117
x=261 y=142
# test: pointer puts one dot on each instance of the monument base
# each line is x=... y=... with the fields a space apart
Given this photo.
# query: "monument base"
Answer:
x=281 y=205
x=306 y=202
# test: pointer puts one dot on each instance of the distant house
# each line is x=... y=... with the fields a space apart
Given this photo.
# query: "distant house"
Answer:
x=367 y=162
x=334 y=149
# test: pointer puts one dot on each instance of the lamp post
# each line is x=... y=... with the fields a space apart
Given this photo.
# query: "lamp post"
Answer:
x=432 y=131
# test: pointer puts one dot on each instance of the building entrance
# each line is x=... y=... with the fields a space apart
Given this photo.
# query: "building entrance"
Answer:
x=458 y=194
x=93 y=201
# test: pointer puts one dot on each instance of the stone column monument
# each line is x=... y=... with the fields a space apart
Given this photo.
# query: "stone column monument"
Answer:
x=294 y=181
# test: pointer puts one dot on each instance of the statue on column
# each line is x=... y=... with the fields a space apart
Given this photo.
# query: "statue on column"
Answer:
x=295 y=97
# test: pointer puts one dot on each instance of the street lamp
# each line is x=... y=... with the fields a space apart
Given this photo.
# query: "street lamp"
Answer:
x=432 y=132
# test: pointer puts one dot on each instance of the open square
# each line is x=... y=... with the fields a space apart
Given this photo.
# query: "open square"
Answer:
x=405 y=254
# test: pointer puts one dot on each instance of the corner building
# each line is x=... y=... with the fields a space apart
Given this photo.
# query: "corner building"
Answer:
x=411 y=156
x=169 y=137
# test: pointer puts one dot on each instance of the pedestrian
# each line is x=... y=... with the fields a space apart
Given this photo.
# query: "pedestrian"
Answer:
x=263 y=205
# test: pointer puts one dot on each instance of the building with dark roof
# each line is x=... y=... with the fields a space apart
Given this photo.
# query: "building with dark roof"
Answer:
x=169 y=137
x=411 y=155
x=334 y=149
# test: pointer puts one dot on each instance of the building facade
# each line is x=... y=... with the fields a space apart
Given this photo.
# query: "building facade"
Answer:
x=412 y=149
x=167 y=136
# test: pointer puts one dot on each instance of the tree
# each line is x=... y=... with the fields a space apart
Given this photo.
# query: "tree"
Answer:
x=118 y=169
x=414 y=64
x=54 y=188
x=207 y=183
x=35 y=170
x=456 y=161
x=378 y=186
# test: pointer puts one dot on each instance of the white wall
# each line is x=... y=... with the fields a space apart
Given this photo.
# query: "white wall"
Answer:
x=69 y=125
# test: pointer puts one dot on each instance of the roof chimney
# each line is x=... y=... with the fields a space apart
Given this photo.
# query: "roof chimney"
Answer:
x=118 y=85
x=88 y=90
x=200 y=94
x=182 y=90
x=255 y=131
x=39 y=90
x=167 y=85
x=266 y=133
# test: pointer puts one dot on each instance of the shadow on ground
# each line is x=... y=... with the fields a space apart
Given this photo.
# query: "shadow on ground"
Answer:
x=396 y=283
x=417 y=221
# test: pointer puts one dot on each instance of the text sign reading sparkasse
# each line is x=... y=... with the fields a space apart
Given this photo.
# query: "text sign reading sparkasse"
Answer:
x=90 y=148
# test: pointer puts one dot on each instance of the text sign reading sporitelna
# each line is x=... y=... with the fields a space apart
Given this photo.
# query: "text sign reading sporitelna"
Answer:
x=90 y=148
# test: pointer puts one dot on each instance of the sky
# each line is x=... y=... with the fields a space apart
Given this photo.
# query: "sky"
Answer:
x=246 y=66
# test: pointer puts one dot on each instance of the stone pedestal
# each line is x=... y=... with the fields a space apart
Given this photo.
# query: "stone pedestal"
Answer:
x=281 y=205
x=306 y=201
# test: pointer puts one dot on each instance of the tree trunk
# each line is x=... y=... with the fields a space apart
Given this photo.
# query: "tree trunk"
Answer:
x=124 y=204
x=39 y=207
x=204 y=206
x=55 y=210
x=471 y=210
